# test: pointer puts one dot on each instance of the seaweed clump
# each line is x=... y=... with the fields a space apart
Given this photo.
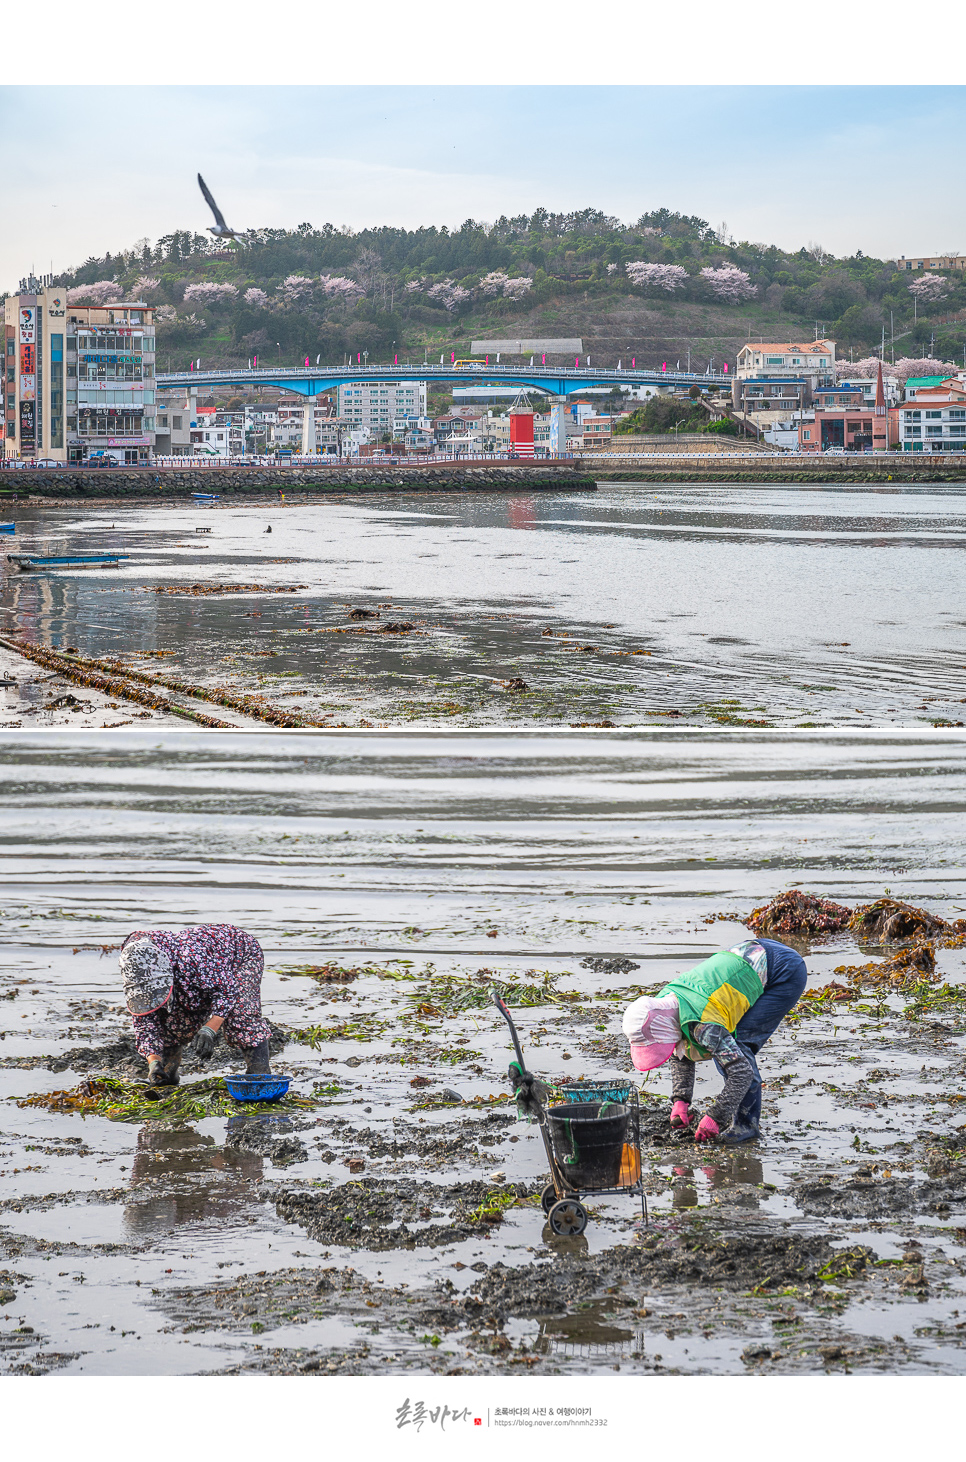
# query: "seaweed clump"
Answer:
x=889 y=921
x=799 y=914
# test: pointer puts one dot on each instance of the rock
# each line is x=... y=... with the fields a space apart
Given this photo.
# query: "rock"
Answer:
x=609 y=964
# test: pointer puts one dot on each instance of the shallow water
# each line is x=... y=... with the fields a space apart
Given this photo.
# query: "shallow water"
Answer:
x=786 y=606
x=411 y=847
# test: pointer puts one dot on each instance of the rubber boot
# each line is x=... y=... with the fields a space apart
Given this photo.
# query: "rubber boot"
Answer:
x=256 y=1060
x=170 y=1061
x=740 y=1132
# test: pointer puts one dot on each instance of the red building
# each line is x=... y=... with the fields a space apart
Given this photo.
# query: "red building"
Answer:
x=845 y=421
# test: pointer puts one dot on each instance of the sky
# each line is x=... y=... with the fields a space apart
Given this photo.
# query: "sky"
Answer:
x=92 y=169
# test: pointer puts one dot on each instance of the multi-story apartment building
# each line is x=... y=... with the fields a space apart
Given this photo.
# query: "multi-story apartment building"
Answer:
x=933 y=417
x=79 y=378
x=774 y=382
x=598 y=431
x=380 y=404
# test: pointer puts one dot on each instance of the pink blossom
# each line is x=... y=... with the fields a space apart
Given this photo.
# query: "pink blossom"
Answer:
x=257 y=298
x=930 y=287
x=729 y=284
x=144 y=284
x=295 y=287
x=104 y=292
x=337 y=286
x=515 y=289
x=867 y=369
x=448 y=293
x=668 y=277
x=209 y=294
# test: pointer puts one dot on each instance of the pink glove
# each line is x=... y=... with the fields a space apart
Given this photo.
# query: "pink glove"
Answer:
x=706 y=1129
x=680 y=1115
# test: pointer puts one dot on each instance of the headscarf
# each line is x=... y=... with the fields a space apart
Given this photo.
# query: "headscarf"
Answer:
x=652 y=1024
x=148 y=974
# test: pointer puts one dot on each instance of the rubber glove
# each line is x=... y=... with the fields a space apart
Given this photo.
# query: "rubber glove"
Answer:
x=680 y=1115
x=204 y=1043
x=157 y=1076
x=706 y=1129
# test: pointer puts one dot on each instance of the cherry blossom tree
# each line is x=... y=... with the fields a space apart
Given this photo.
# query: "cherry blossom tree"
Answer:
x=414 y=285
x=867 y=368
x=295 y=287
x=494 y=283
x=729 y=284
x=145 y=284
x=210 y=294
x=104 y=292
x=257 y=298
x=929 y=288
x=337 y=286
x=449 y=294
x=515 y=289
x=668 y=277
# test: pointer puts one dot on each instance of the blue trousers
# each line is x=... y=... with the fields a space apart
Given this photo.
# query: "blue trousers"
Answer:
x=786 y=981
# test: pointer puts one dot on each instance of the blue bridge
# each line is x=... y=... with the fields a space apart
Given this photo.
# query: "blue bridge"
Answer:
x=554 y=380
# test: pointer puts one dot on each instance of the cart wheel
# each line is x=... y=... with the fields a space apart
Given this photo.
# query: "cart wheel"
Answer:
x=548 y=1198
x=568 y=1218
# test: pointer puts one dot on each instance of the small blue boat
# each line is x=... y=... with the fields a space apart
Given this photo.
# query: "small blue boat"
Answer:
x=25 y=564
x=207 y=497
x=8 y=527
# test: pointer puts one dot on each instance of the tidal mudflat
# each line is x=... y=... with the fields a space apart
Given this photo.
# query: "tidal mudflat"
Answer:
x=636 y=604
x=387 y=1218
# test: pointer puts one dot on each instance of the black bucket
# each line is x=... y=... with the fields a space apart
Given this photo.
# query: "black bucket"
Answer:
x=588 y=1139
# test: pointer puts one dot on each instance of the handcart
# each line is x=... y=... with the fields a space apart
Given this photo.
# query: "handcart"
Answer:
x=591 y=1134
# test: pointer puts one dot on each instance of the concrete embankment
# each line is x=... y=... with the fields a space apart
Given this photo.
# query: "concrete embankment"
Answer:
x=758 y=469
x=147 y=482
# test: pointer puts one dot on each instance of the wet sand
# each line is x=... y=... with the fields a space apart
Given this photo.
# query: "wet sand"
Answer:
x=395 y=1225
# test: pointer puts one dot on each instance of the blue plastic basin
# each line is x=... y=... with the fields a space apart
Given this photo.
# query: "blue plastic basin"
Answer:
x=257 y=1088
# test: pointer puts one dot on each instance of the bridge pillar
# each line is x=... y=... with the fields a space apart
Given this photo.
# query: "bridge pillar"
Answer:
x=308 y=428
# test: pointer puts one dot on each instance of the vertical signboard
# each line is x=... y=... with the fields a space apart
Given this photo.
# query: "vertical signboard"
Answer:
x=28 y=378
x=28 y=368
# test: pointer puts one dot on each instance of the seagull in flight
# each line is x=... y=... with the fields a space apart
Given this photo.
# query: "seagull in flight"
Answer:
x=220 y=229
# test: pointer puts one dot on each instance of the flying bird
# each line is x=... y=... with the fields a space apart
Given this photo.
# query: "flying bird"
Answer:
x=221 y=229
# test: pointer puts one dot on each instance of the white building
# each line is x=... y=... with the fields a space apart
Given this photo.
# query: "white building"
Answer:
x=177 y=414
x=217 y=433
x=378 y=405
x=934 y=419
x=79 y=378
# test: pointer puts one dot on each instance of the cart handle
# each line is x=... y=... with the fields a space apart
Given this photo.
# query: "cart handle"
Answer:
x=500 y=1004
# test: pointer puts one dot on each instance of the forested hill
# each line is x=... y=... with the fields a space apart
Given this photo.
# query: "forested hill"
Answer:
x=665 y=285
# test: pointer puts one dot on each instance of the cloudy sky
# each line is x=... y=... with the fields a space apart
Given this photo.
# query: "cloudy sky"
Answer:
x=93 y=169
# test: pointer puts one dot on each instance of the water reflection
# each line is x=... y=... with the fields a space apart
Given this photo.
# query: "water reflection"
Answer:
x=732 y=1170
x=180 y=1176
